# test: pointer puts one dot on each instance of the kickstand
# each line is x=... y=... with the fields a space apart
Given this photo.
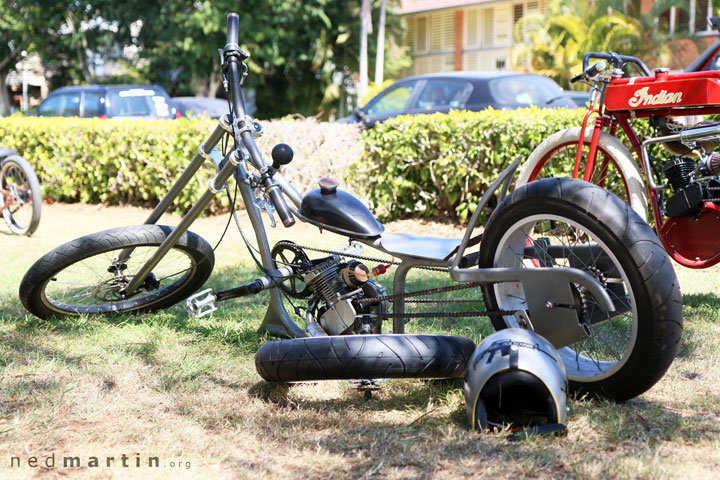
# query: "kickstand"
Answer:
x=367 y=387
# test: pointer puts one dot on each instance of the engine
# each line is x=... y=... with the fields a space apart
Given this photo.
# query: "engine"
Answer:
x=692 y=176
x=336 y=285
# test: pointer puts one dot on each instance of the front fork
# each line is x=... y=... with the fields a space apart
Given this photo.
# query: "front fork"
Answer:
x=277 y=320
x=601 y=121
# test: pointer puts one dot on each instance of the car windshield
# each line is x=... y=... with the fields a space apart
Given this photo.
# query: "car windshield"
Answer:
x=137 y=102
x=392 y=100
x=443 y=93
x=526 y=90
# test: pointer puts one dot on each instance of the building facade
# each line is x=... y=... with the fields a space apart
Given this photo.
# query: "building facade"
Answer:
x=447 y=35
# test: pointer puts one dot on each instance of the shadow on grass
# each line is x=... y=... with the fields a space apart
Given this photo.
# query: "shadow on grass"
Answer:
x=702 y=300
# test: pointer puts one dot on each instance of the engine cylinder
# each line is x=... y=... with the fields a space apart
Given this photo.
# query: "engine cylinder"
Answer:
x=677 y=172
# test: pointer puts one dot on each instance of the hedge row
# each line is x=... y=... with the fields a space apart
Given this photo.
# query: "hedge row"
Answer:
x=423 y=165
x=135 y=162
x=441 y=164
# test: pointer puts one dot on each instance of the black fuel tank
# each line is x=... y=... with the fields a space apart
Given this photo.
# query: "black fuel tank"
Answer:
x=338 y=211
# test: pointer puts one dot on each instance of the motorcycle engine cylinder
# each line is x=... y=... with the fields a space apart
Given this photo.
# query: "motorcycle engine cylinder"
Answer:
x=677 y=172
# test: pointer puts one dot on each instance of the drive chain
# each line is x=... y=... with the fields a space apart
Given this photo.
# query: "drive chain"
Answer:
x=431 y=291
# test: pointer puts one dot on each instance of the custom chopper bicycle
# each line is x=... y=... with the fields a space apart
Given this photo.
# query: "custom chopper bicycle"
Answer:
x=681 y=178
x=562 y=257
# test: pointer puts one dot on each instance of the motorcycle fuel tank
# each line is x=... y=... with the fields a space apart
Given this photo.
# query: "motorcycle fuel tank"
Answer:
x=338 y=211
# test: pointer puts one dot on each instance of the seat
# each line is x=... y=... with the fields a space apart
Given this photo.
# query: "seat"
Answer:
x=407 y=245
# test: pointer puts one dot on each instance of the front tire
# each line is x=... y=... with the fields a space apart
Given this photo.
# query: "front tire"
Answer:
x=84 y=276
x=627 y=353
x=22 y=215
x=555 y=157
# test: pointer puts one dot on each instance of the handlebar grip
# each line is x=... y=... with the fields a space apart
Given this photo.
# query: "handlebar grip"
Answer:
x=233 y=26
x=577 y=77
x=278 y=201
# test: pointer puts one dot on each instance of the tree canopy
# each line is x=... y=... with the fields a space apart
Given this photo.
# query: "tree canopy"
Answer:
x=301 y=52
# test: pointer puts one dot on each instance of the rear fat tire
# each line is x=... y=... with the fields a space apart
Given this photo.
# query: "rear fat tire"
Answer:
x=657 y=314
x=33 y=288
x=347 y=357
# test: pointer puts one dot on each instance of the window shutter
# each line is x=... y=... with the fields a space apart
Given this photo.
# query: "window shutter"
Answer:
x=502 y=25
x=448 y=26
x=471 y=28
x=517 y=12
x=471 y=61
x=488 y=27
x=410 y=37
x=421 y=45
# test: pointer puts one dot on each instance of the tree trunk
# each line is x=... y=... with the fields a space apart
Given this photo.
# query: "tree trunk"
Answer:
x=4 y=96
x=380 y=58
x=365 y=22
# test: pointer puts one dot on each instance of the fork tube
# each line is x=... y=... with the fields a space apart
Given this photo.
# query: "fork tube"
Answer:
x=581 y=142
x=182 y=180
x=187 y=174
x=215 y=187
x=590 y=166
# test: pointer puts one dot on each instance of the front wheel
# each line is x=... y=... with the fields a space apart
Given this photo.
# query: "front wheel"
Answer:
x=614 y=168
x=87 y=275
x=20 y=193
x=562 y=222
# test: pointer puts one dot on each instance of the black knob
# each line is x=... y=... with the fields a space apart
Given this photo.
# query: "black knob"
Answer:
x=281 y=154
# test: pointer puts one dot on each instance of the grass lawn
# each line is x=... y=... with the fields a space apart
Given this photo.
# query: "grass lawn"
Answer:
x=185 y=392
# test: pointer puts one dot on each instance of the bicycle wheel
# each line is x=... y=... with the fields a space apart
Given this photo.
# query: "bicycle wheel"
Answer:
x=555 y=157
x=346 y=357
x=18 y=179
x=84 y=276
x=571 y=223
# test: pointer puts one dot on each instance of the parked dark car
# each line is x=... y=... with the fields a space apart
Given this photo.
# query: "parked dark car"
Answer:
x=441 y=92
x=200 y=106
x=108 y=101
x=581 y=99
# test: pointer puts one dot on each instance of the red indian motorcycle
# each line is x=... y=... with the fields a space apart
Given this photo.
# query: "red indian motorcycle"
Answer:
x=683 y=187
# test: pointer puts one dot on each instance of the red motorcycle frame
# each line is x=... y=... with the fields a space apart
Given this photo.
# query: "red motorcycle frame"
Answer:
x=683 y=191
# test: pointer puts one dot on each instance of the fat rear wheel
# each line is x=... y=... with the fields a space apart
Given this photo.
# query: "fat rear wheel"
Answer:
x=560 y=222
x=346 y=357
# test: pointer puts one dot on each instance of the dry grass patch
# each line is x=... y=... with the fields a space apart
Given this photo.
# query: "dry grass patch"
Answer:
x=185 y=391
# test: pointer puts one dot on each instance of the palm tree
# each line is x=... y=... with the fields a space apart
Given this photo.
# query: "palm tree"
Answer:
x=554 y=44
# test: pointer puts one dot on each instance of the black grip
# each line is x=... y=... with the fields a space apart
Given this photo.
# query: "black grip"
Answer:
x=233 y=26
x=577 y=77
x=278 y=201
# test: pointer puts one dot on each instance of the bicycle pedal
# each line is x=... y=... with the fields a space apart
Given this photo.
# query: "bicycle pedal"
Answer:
x=199 y=307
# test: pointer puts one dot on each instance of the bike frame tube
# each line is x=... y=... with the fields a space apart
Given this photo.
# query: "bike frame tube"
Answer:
x=187 y=174
x=216 y=186
x=189 y=171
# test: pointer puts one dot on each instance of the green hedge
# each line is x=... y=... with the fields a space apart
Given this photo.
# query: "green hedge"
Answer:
x=423 y=165
x=440 y=164
x=135 y=161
